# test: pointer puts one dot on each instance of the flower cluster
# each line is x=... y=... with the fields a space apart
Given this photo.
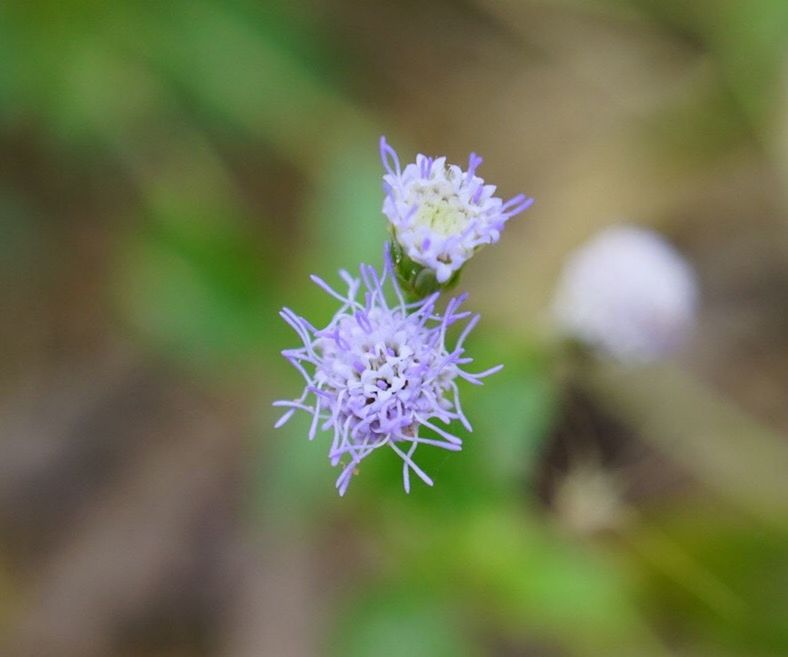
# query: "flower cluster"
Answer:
x=441 y=215
x=627 y=294
x=380 y=372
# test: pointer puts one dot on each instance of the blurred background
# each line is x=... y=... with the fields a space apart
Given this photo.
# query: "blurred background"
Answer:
x=171 y=173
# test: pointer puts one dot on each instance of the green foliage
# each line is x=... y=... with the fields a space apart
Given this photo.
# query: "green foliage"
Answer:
x=401 y=622
x=512 y=412
x=735 y=602
x=296 y=482
x=345 y=225
x=749 y=42
x=196 y=291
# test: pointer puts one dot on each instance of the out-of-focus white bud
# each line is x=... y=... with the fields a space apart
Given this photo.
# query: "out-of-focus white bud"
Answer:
x=627 y=294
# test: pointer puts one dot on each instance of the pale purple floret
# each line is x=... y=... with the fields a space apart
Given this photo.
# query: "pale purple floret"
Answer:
x=379 y=372
x=441 y=214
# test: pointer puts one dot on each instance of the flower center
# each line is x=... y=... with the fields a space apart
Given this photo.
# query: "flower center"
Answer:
x=440 y=208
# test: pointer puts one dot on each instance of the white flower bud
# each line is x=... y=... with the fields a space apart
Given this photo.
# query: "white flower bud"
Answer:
x=627 y=294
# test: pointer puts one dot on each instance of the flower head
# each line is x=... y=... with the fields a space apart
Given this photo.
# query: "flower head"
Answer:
x=628 y=294
x=440 y=215
x=380 y=372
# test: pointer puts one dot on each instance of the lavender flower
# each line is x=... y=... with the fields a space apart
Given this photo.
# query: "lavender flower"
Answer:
x=628 y=294
x=379 y=372
x=440 y=215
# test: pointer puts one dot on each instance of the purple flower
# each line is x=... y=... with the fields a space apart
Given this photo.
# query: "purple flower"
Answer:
x=379 y=372
x=440 y=214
